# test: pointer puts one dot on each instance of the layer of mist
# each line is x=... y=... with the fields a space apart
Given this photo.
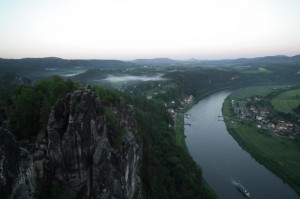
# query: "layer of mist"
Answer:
x=127 y=78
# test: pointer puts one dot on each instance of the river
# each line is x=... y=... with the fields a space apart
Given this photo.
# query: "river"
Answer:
x=223 y=160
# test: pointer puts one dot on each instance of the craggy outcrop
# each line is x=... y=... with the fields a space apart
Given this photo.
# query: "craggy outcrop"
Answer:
x=88 y=157
x=16 y=168
x=88 y=151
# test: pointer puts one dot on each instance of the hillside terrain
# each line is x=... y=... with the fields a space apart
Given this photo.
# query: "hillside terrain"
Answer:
x=107 y=128
x=93 y=143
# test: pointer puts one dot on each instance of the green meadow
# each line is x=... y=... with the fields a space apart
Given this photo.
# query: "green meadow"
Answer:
x=245 y=93
x=286 y=101
x=259 y=70
x=179 y=130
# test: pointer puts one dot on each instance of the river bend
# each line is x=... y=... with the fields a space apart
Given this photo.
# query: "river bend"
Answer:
x=223 y=160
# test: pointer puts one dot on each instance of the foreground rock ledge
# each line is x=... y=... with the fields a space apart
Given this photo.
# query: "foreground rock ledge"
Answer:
x=81 y=156
x=81 y=153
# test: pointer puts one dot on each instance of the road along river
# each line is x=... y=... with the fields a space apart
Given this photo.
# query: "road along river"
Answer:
x=223 y=161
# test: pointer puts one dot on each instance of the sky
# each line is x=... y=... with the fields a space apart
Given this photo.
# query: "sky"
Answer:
x=130 y=29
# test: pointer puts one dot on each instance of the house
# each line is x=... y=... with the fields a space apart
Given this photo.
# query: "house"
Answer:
x=253 y=109
x=284 y=126
x=281 y=127
x=289 y=124
x=259 y=118
x=187 y=100
x=257 y=98
x=172 y=113
x=271 y=125
x=264 y=112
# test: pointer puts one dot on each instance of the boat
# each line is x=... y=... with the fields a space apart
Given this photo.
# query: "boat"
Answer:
x=242 y=189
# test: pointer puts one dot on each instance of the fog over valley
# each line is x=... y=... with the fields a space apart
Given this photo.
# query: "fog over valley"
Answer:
x=127 y=78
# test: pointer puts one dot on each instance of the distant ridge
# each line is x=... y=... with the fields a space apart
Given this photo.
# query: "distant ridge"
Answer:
x=49 y=62
x=155 y=61
x=220 y=62
x=34 y=68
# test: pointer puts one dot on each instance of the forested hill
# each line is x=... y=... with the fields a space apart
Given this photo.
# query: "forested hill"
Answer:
x=58 y=62
x=278 y=59
x=39 y=68
x=14 y=65
x=53 y=62
x=155 y=61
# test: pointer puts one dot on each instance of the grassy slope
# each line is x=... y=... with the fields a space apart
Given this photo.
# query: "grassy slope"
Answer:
x=287 y=101
x=179 y=129
x=254 y=90
x=259 y=70
x=280 y=155
x=179 y=126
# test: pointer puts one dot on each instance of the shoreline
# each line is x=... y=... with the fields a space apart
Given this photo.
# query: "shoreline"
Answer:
x=179 y=130
x=266 y=161
x=179 y=122
x=180 y=141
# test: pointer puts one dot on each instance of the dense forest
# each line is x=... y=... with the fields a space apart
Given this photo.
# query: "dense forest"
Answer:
x=167 y=170
x=199 y=81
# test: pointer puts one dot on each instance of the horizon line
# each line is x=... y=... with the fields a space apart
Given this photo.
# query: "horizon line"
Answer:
x=174 y=59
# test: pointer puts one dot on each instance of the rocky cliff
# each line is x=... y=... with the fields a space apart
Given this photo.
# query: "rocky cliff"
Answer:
x=88 y=157
x=88 y=151
x=16 y=168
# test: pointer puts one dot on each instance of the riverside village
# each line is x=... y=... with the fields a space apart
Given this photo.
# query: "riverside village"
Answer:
x=258 y=110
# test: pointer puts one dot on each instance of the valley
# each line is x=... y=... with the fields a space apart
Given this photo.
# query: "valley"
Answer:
x=158 y=94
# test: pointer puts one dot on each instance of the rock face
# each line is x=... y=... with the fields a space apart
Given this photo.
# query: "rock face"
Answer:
x=89 y=156
x=16 y=168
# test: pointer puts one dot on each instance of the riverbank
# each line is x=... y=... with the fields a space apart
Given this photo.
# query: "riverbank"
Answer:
x=279 y=155
x=179 y=122
x=180 y=141
x=179 y=126
x=180 y=138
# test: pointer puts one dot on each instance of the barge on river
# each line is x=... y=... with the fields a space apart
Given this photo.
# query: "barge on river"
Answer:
x=242 y=189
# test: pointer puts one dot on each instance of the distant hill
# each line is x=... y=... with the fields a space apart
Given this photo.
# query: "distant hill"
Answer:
x=50 y=62
x=155 y=61
x=37 y=67
x=12 y=65
x=278 y=59
x=221 y=62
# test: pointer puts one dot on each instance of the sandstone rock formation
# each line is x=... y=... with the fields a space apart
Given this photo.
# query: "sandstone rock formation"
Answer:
x=83 y=158
x=88 y=151
x=16 y=168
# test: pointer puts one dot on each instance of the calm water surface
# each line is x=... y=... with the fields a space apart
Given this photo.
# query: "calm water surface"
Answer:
x=223 y=160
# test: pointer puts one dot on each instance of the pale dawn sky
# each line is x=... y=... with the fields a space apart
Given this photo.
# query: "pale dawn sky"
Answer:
x=129 y=29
